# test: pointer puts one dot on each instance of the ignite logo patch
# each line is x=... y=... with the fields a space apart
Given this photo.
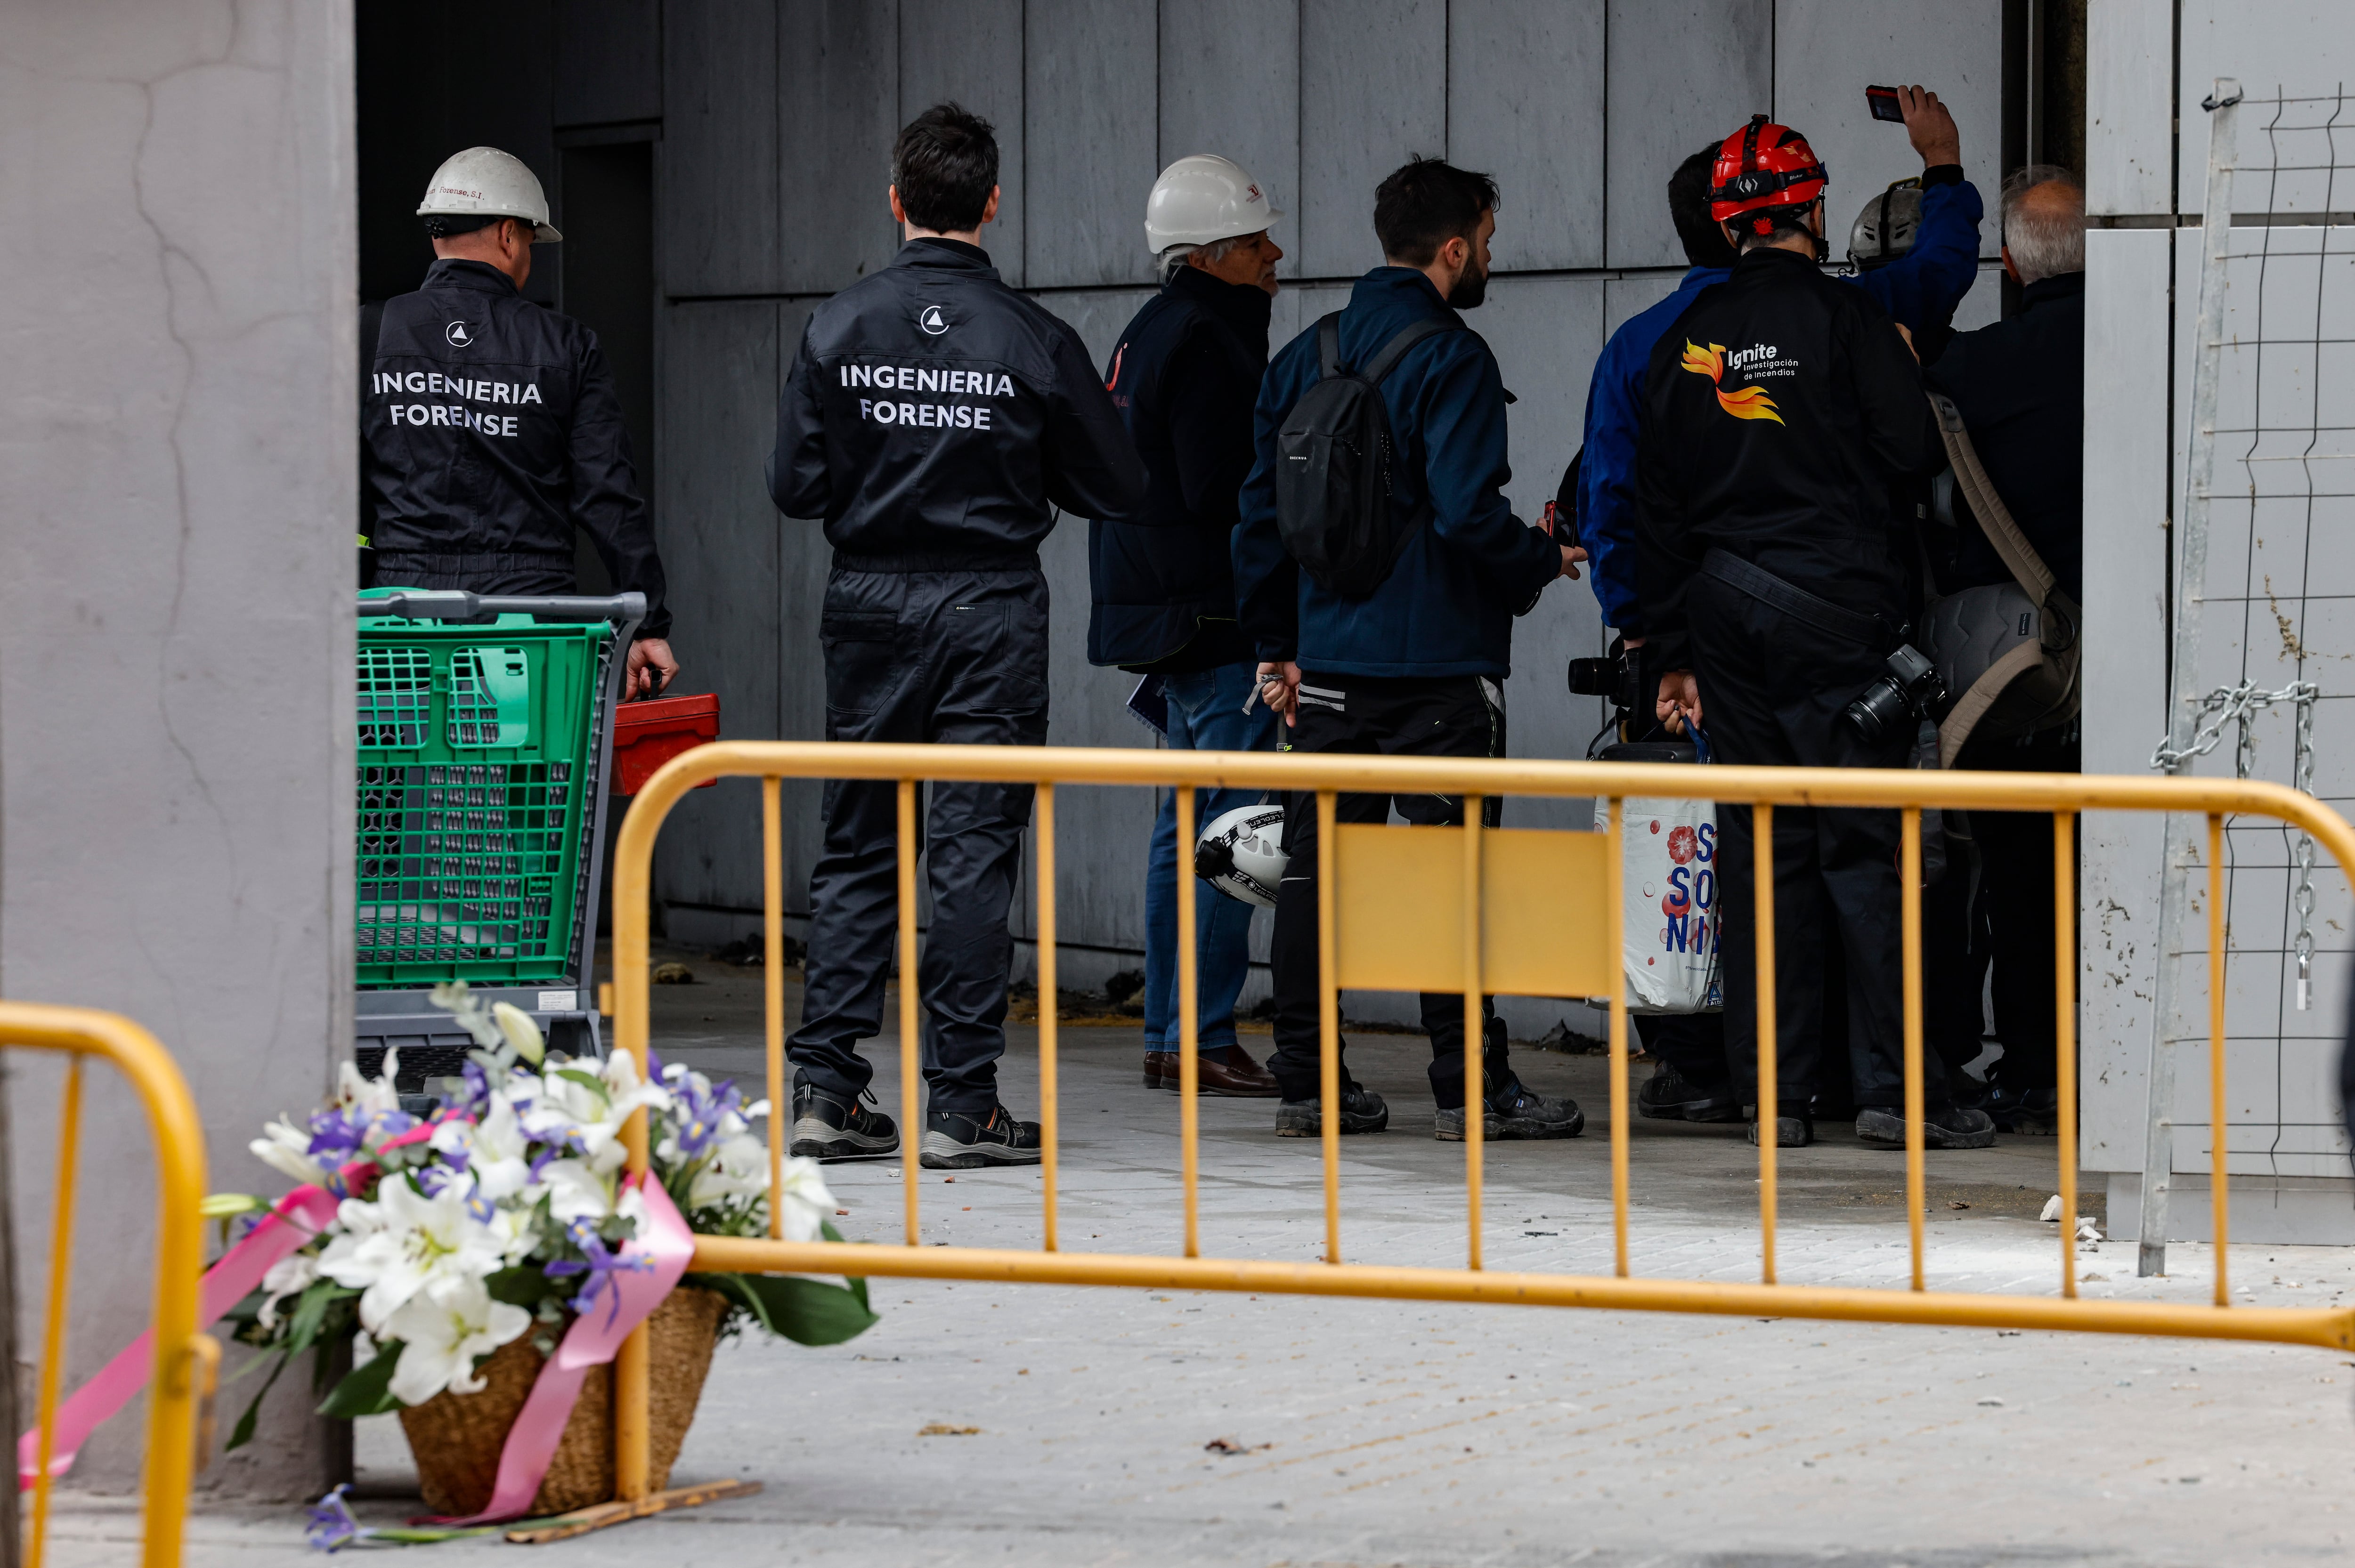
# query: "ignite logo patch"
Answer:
x=1746 y=403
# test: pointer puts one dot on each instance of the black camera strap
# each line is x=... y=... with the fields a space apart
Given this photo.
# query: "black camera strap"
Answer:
x=1799 y=604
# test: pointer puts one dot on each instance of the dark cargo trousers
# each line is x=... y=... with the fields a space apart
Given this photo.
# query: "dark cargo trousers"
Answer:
x=949 y=650
x=1453 y=715
x=1772 y=690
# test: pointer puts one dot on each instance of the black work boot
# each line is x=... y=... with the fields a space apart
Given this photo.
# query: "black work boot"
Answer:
x=2035 y=1112
x=828 y=1128
x=1943 y=1126
x=1514 y=1113
x=1668 y=1095
x=1790 y=1132
x=1362 y=1110
x=965 y=1140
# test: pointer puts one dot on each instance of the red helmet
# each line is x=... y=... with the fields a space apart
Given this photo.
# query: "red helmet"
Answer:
x=1763 y=165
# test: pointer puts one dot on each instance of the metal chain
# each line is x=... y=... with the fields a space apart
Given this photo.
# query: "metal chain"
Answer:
x=2237 y=706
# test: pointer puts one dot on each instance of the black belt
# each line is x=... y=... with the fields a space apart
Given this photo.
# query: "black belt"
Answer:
x=1799 y=604
x=944 y=561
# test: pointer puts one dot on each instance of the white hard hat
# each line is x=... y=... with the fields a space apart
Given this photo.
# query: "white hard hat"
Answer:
x=1240 y=854
x=1203 y=198
x=482 y=182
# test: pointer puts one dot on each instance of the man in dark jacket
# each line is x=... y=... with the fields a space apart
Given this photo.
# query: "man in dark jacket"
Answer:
x=491 y=430
x=1777 y=410
x=1183 y=377
x=2021 y=385
x=933 y=416
x=1417 y=666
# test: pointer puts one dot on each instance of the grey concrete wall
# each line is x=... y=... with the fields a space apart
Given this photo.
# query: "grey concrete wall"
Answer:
x=1580 y=110
x=176 y=466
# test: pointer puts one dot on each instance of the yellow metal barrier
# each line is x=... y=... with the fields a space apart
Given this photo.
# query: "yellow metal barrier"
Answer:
x=1482 y=881
x=185 y=1359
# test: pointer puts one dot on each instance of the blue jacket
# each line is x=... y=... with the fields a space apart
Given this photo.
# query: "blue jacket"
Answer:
x=1919 y=287
x=1447 y=606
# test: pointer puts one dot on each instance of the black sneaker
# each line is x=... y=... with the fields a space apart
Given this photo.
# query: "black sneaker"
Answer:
x=825 y=1128
x=1790 y=1132
x=954 y=1140
x=1515 y=1114
x=2035 y=1112
x=1948 y=1126
x=1668 y=1095
x=1362 y=1110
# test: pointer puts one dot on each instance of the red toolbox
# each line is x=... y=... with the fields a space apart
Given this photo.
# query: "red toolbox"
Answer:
x=649 y=734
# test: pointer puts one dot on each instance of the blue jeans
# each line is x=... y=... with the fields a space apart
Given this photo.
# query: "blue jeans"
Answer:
x=1205 y=715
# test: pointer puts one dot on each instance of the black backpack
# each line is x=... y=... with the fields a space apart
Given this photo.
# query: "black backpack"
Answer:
x=1333 y=494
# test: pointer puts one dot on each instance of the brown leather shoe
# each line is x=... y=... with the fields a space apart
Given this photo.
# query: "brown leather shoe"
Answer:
x=1229 y=1072
x=1160 y=1069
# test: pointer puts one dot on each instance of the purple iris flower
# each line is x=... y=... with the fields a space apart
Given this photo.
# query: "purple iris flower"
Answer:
x=602 y=1263
x=332 y=1526
x=701 y=1114
x=474 y=1098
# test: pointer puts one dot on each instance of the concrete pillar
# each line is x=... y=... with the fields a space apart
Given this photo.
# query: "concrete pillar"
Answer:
x=177 y=475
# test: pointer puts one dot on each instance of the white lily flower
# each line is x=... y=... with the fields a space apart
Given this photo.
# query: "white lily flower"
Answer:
x=396 y=1246
x=286 y=1149
x=494 y=1150
x=372 y=1096
x=577 y=1191
x=290 y=1276
x=803 y=1199
x=442 y=1330
x=521 y=1033
x=738 y=1169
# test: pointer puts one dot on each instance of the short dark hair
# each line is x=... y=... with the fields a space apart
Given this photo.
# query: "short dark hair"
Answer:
x=944 y=165
x=1688 y=189
x=1425 y=203
x=1783 y=222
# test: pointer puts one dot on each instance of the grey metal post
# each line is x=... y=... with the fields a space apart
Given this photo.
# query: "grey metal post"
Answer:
x=2183 y=679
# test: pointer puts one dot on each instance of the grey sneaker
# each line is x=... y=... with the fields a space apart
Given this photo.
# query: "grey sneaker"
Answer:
x=955 y=1140
x=1516 y=1113
x=825 y=1128
x=1948 y=1126
x=1362 y=1110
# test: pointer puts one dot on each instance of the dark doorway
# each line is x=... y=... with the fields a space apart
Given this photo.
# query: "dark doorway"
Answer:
x=607 y=213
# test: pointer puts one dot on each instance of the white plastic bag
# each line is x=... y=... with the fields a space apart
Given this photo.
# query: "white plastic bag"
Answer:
x=1669 y=886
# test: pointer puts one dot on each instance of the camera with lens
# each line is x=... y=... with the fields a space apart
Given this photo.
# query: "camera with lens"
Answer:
x=1907 y=689
x=1614 y=677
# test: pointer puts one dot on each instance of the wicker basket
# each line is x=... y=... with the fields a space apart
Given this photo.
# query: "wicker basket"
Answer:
x=456 y=1437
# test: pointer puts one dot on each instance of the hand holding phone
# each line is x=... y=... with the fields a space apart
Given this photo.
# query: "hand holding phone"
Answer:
x=1882 y=100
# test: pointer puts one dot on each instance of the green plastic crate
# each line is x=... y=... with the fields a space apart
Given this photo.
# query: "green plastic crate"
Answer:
x=477 y=798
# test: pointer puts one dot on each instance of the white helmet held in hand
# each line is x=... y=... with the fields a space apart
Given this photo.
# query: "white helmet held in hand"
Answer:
x=1201 y=199
x=1240 y=854
x=482 y=182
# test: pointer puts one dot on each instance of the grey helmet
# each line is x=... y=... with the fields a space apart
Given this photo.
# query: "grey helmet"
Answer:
x=1886 y=229
x=1240 y=854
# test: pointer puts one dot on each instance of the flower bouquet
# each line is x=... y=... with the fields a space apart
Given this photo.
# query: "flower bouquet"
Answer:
x=459 y=1250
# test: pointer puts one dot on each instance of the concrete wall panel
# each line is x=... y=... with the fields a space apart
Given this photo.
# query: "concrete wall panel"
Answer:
x=1374 y=91
x=1525 y=103
x=2129 y=149
x=720 y=365
x=1827 y=51
x=2301 y=47
x=608 y=61
x=1682 y=74
x=1230 y=85
x=715 y=167
x=970 y=51
x=1092 y=138
x=837 y=95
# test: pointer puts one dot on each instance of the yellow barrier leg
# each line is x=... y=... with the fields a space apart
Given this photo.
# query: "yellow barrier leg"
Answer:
x=1476 y=1034
x=2219 y=1128
x=1189 y=1020
x=1909 y=867
x=53 y=1328
x=1615 y=926
x=2064 y=1034
x=1328 y=1018
x=1770 y=1123
x=912 y=1134
x=1049 y=1016
x=773 y=958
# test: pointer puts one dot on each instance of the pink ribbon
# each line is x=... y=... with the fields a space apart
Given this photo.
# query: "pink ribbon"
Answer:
x=592 y=1340
x=294 y=1220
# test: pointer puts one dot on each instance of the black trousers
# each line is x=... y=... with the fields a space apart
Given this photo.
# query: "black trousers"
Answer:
x=1772 y=690
x=2015 y=899
x=1452 y=715
x=956 y=654
x=1691 y=1043
x=509 y=574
